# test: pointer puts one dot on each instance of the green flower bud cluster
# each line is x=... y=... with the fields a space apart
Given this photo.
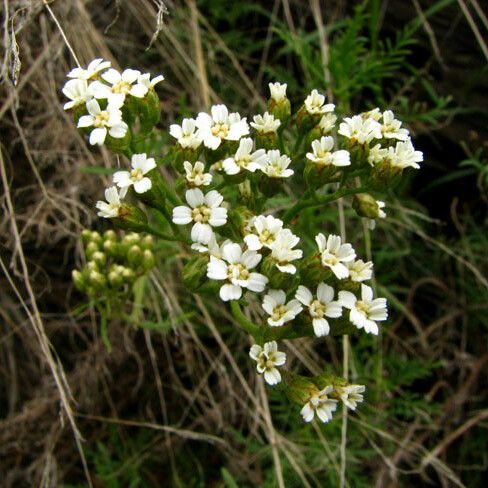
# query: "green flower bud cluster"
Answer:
x=113 y=262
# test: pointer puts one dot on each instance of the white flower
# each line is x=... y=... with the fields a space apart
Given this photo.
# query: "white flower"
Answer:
x=77 y=91
x=264 y=232
x=234 y=268
x=277 y=91
x=111 y=207
x=195 y=174
x=92 y=69
x=319 y=307
x=391 y=127
x=274 y=304
x=103 y=121
x=265 y=124
x=359 y=270
x=145 y=80
x=359 y=130
x=186 y=134
x=405 y=155
x=244 y=158
x=327 y=123
x=119 y=85
x=377 y=154
x=141 y=165
x=351 y=395
x=268 y=357
x=324 y=156
x=204 y=210
x=321 y=405
x=334 y=254
x=283 y=253
x=381 y=214
x=277 y=165
x=366 y=312
x=315 y=104
x=220 y=126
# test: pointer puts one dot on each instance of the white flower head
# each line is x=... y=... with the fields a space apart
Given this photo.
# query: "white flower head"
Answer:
x=119 y=85
x=280 y=312
x=141 y=165
x=186 y=134
x=220 y=126
x=77 y=91
x=315 y=104
x=283 y=253
x=234 y=267
x=360 y=130
x=103 y=121
x=335 y=254
x=277 y=91
x=265 y=124
x=351 y=395
x=245 y=158
x=264 y=230
x=204 y=210
x=359 y=270
x=319 y=307
x=195 y=174
x=277 y=165
x=404 y=155
x=323 y=154
x=91 y=71
x=377 y=154
x=320 y=404
x=111 y=207
x=366 y=312
x=391 y=128
x=268 y=358
x=327 y=123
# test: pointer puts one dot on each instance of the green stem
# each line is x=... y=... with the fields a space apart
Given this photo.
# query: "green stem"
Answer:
x=302 y=204
x=243 y=321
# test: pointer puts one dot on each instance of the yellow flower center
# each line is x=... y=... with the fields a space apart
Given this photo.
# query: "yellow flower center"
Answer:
x=278 y=312
x=266 y=237
x=201 y=214
x=362 y=307
x=317 y=309
x=220 y=130
x=101 y=119
x=121 y=87
x=136 y=175
x=237 y=271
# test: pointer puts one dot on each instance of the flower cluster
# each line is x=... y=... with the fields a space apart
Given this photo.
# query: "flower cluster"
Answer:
x=100 y=94
x=242 y=241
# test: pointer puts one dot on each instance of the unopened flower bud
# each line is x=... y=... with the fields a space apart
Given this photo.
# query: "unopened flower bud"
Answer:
x=298 y=388
x=86 y=236
x=148 y=260
x=240 y=218
x=367 y=206
x=154 y=197
x=99 y=257
x=91 y=249
x=149 y=111
x=78 y=280
x=134 y=256
x=97 y=279
x=110 y=235
x=95 y=237
x=91 y=266
x=147 y=242
x=128 y=274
